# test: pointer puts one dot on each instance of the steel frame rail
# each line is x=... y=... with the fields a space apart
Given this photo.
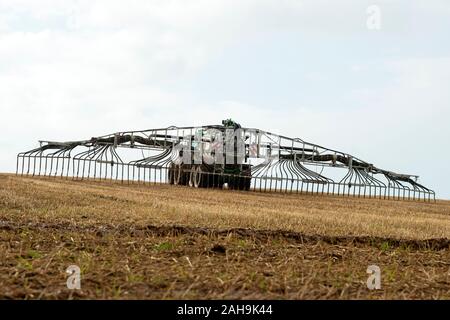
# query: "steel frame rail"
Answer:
x=279 y=164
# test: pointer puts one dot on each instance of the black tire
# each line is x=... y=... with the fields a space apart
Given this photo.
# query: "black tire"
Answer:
x=170 y=173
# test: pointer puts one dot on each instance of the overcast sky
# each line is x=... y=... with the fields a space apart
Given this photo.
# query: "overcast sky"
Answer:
x=70 y=70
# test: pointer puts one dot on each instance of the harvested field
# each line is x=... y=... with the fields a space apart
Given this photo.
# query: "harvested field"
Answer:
x=161 y=241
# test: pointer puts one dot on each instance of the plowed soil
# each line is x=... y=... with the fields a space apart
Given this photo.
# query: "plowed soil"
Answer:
x=166 y=242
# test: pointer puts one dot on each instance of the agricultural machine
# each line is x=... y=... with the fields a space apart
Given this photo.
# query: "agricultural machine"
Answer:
x=219 y=156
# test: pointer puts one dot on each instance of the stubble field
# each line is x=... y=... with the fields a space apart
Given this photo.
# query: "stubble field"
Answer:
x=161 y=241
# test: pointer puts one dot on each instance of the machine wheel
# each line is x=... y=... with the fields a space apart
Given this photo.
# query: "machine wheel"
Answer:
x=170 y=173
